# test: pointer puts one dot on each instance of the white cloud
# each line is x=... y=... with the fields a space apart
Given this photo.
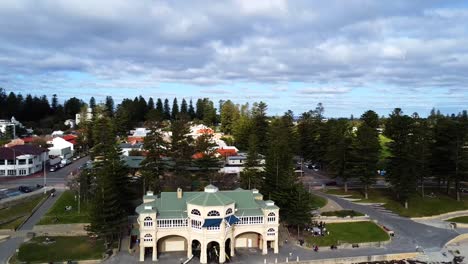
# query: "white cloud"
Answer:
x=323 y=90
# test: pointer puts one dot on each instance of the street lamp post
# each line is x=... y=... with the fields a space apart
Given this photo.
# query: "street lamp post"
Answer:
x=44 y=168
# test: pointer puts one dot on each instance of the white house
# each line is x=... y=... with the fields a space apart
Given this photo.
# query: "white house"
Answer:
x=127 y=147
x=89 y=116
x=140 y=132
x=210 y=225
x=22 y=160
x=61 y=148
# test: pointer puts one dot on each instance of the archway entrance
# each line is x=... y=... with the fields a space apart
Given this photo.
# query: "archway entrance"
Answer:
x=172 y=245
x=196 y=248
x=148 y=253
x=248 y=240
x=227 y=247
x=212 y=252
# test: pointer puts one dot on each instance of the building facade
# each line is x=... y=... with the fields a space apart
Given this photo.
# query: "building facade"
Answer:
x=22 y=160
x=209 y=224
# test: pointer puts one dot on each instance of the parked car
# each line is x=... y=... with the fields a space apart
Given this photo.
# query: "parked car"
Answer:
x=65 y=162
x=24 y=189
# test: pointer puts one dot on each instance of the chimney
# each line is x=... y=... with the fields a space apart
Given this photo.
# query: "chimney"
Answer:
x=179 y=193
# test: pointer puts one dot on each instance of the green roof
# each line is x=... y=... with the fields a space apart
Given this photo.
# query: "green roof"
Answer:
x=210 y=199
x=168 y=205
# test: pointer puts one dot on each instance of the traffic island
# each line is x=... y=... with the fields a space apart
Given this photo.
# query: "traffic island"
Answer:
x=347 y=235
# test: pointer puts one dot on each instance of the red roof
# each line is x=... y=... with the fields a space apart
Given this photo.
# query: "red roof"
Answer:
x=28 y=139
x=205 y=131
x=198 y=155
x=133 y=140
x=70 y=138
x=227 y=152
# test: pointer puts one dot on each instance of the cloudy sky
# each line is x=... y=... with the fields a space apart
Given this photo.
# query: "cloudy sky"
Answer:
x=351 y=55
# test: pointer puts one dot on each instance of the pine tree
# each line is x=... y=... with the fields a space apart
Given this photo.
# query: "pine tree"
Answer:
x=109 y=206
x=152 y=168
x=54 y=105
x=260 y=123
x=339 y=151
x=251 y=176
x=367 y=150
x=92 y=103
x=167 y=110
x=229 y=115
x=150 y=104
x=184 y=108
x=159 y=107
x=109 y=106
x=175 y=109
x=401 y=170
x=191 y=110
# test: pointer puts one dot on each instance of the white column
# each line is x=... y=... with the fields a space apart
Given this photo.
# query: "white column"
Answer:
x=276 y=246
x=203 y=259
x=265 y=248
x=222 y=253
x=155 y=252
x=189 y=248
x=142 y=252
x=233 y=244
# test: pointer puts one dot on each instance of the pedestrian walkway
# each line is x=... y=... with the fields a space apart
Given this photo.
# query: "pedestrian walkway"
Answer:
x=380 y=208
x=8 y=248
x=330 y=206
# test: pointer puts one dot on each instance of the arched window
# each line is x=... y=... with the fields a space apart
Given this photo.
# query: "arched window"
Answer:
x=148 y=238
x=228 y=211
x=213 y=213
x=271 y=232
x=148 y=221
x=271 y=217
x=195 y=212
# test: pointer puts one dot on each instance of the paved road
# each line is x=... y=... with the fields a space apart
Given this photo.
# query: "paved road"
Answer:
x=408 y=234
x=9 y=247
x=52 y=178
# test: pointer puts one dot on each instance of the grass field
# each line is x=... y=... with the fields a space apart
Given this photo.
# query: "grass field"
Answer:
x=63 y=249
x=342 y=213
x=14 y=215
x=418 y=206
x=355 y=232
x=318 y=202
x=66 y=217
x=460 y=219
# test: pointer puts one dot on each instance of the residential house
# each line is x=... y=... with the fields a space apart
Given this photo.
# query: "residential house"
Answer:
x=22 y=160
x=61 y=148
x=127 y=147
x=209 y=223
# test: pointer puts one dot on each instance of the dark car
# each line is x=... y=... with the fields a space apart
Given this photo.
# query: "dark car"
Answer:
x=24 y=189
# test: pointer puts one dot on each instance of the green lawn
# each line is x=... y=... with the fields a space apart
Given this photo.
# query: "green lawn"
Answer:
x=66 y=217
x=355 y=232
x=318 y=202
x=14 y=215
x=418 y=206
x=342 y=213
x=460 y=219
x=63 y=249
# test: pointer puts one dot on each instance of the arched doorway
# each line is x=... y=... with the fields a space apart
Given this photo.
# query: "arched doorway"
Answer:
x=227 y=247
x=196 y=248
x=248 y=240
x=212 y=252
x=173 y=245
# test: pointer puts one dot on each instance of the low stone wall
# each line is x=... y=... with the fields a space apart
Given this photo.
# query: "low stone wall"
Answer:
x=336 y=219
x=61 y=230
x=442 y=216
x=349 y=260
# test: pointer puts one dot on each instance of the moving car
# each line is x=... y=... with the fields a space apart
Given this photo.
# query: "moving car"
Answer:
x=24 y=189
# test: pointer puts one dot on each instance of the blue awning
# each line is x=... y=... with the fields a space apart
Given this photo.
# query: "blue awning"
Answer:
x=232 y=219
x=212 y=222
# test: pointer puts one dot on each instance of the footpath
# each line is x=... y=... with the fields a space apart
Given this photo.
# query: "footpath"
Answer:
x=8 y=247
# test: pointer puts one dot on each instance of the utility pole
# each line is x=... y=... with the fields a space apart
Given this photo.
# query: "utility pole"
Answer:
x=44 y=168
